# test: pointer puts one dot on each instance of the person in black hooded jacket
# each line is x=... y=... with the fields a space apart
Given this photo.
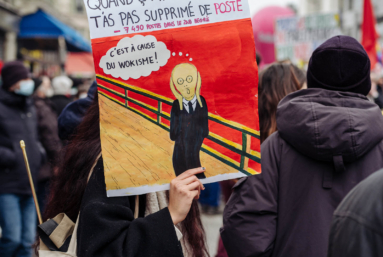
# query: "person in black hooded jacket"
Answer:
x=17 y=122
x=329 y=138
x=357 y=225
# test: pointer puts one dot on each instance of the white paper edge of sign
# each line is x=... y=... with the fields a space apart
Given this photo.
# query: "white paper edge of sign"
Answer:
x=151 y=189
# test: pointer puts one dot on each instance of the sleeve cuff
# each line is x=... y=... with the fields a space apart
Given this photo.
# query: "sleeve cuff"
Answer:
x=164 y=226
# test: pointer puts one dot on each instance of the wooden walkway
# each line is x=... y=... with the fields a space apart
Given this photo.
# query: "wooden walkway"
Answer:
x=137 y=152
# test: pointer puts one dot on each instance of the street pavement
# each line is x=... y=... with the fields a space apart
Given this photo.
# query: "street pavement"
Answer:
x=212 y=224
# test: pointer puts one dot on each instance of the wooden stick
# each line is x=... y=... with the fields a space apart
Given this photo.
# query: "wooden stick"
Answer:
x=22 y=145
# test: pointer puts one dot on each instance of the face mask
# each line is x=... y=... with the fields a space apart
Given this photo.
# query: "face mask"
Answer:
x=26 y=88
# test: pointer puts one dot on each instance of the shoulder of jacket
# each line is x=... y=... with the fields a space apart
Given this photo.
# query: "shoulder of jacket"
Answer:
x=275 y=140
x=273 y=146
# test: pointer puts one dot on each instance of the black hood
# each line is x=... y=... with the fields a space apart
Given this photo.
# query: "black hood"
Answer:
x=328 y=125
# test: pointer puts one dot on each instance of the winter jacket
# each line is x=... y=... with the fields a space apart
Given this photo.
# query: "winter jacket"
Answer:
x=107 y=226
x=48 y=134
x=327 y=142
x=17 y=122
x=59 y=102
x=73 y=113
x=357 y=225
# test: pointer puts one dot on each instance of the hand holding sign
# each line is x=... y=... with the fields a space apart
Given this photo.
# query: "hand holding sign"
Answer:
x=183 y=190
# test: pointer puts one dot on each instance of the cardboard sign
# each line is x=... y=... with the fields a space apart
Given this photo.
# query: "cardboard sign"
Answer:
x=178 y=84
x=296 y=38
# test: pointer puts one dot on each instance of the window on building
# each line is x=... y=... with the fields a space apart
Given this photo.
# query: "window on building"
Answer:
x=350 y=4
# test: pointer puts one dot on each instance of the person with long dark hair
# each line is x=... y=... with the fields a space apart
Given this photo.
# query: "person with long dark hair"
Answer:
x=107 y=226
x=275 y=82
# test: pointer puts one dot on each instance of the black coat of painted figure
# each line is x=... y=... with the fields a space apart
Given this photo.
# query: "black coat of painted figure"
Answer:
x=188 y=130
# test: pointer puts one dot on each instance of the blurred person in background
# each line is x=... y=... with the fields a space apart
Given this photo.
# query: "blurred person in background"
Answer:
x=329 y=137
x=210 y=199
x=48 y=135
x=357 y=224
x=83 y=90
x=275 y=82
x=380 y=80
x=258 y=59
x=376 y=93
x=18 y=121
x=1 y=67
x=73 y=114
x=62 y=93
x=379 y=85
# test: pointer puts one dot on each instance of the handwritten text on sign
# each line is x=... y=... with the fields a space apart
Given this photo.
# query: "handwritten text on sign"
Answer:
x=135 y=57
x=118 y=17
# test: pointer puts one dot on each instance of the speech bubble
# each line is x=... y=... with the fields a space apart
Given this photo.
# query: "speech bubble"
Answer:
x=135 y=57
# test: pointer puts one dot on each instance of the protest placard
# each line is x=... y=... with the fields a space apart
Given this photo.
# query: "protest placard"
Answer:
x=297 y=37
x=177 y=83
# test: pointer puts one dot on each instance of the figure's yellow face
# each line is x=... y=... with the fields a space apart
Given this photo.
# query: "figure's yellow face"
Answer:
x=185 y=77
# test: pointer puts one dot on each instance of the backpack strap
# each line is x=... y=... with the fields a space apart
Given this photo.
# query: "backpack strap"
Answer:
x=94 y=165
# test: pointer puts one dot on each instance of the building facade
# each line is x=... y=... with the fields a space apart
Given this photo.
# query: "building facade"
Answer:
x=9 y=26
x=350 y=11
x=307 y=7
x=70 y=12
x=352 y=17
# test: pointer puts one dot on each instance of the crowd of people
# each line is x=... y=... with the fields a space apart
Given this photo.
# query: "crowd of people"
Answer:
x=29 y=109
x=319 y=193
